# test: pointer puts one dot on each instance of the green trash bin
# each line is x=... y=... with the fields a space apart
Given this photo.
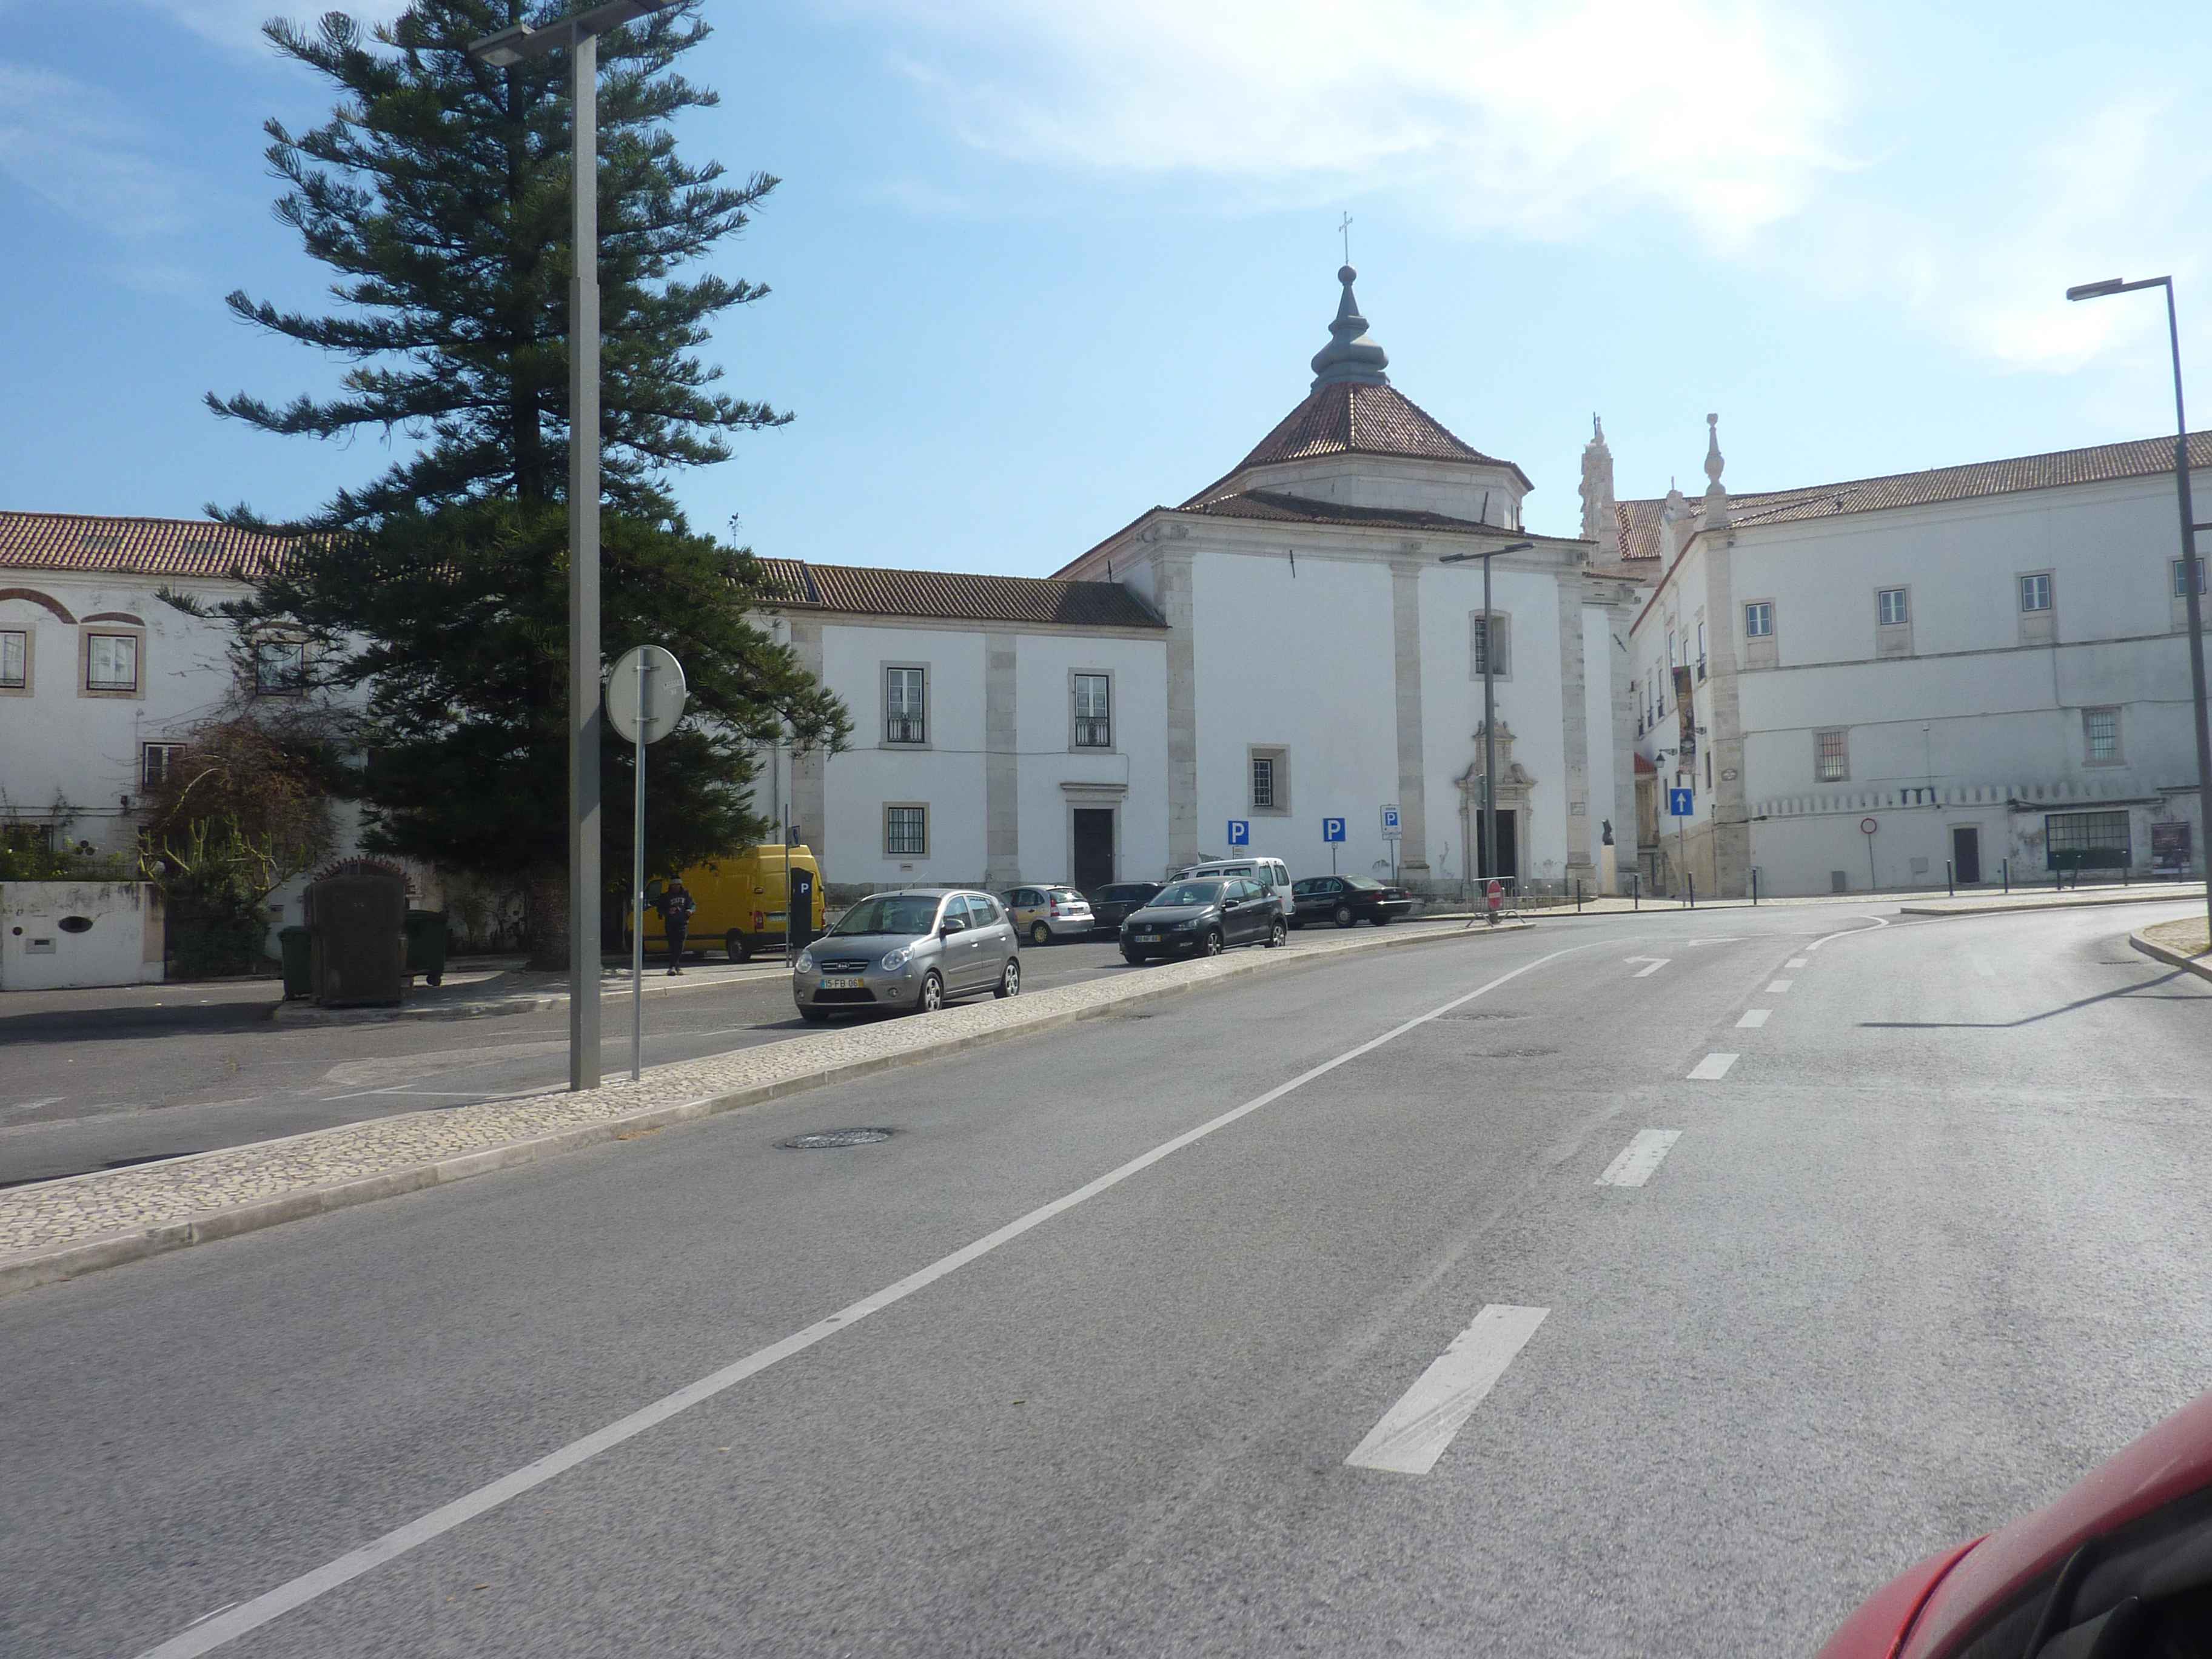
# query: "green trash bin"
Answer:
x=293 y=946
x=426 y=944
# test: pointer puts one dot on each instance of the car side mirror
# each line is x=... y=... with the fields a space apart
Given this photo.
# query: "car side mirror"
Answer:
x=950 y=928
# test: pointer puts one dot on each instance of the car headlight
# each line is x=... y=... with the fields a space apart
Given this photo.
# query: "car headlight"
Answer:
x=898 y=958
x=806 y=962
x=1185 y=926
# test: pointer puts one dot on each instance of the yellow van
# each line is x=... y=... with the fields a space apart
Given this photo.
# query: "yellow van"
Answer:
x=740 y=900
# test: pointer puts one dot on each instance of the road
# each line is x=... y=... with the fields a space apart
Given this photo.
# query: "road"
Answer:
x=177 y=1069
x=1109 y=1348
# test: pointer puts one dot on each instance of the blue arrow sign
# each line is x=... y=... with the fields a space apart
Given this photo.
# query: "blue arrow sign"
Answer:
x=1332 y=828
x=1240 y=832
x=1679 y=803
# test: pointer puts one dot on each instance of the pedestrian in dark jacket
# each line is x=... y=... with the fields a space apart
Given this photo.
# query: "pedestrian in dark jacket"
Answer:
x=677 y=905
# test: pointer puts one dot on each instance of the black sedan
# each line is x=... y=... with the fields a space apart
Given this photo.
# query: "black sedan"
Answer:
x=1345 y=900
x=1112 y=905
x=1203 y=917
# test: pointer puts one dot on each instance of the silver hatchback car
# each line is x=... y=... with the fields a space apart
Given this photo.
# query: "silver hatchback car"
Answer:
x=914 y=949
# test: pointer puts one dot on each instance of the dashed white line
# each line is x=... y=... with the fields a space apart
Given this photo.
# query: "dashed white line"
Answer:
x=33 y=1105
x=1414 y=1432
x=1639 y=1158
x=1754 y=1018
x=1657 y=963
x=1798 y=962
x=1711 y=1069
x=1778 y=986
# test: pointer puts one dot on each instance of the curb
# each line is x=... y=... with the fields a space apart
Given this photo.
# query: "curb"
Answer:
x=30 y=1269
x=2200 y=966
x=2048 y=904
x=301 y=1012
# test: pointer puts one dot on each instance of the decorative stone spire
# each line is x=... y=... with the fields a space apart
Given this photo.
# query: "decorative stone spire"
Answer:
x=1350 y=357
x=1600 y=522
x=1717 y=501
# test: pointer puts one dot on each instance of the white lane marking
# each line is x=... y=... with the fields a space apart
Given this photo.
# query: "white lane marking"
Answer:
x=1657 y=963
x=1639 y=1158
x=1878 y=921
x=1780 y=985
x=1726 y=939
x=273 y=1604
x=33 y=1105
x=1711 y=1069
x=1414 y=1432
x=1798 y=962
x=1752 y=1018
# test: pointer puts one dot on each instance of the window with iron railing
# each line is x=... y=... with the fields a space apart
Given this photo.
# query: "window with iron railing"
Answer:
x=111 y=663
x=906 y=831
x=905 y=714
x=1094 y=713
x=1832 y=762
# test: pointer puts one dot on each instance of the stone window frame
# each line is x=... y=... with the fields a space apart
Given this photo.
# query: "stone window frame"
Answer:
x=256 y=686
x=24 y=687
x=147 y=778
x=1478 y=618
x=1841 y=756
x=1075 y=720
x=2039 y=625
x=883 y=671
x=2090 y=756
x=2178 y=598
x=1278 y=756
x=892 y=806
x=1761 y=650
x=1893 y=639
x=110 y=628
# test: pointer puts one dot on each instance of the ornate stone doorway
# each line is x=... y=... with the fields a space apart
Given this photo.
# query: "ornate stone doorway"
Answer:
x=1514 y=787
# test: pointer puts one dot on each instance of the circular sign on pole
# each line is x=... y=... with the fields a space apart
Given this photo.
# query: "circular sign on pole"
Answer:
x=661 y=700
x=1867 y=826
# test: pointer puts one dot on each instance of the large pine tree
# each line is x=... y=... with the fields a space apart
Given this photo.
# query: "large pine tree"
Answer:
x=439 y=192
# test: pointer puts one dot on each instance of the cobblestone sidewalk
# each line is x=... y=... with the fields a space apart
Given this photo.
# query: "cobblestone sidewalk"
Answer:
x=55 y=1229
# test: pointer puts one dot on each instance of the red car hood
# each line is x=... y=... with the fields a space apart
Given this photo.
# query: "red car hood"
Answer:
x=1922 y=1612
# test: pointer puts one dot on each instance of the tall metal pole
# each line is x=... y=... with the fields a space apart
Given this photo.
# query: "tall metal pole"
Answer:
x=584 y=698
x=2192 y=569
x=637 y=875
x=1489 y=730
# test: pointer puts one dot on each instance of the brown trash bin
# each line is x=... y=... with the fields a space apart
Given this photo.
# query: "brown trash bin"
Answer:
x=357 y=923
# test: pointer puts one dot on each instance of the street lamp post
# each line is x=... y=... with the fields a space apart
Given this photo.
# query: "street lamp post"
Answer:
x=2192 y=568
x=580 y=35
x=1489 y=706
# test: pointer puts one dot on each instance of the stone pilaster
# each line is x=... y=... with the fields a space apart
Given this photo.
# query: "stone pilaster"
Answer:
x=1730 y=871
x=1172 y=573
x=809 y=783
x=1620 y=614
x=1574 y=715
x=1405 y=650
x=1002 y=851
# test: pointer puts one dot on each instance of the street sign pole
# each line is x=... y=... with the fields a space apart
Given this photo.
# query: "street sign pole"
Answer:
x=637 y=875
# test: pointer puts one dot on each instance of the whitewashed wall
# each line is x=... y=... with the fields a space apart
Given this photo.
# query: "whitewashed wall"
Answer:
x=1044 y=712
x=38 y=952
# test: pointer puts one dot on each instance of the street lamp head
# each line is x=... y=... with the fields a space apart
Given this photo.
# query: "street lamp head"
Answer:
x=2095 y=290
x=504 y=50
x=510 y=46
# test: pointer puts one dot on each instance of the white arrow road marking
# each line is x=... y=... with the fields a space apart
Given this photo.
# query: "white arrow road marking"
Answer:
x=1639 y=1158
x=1414 y=1432
x=1711 y=1069
x=1754 y=1018
x=1657 y=963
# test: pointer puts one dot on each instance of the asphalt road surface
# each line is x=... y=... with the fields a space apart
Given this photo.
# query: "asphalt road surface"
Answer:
x=1320 y=1313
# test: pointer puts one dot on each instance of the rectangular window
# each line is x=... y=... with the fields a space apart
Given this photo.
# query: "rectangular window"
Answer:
x=1263 y=780
x=1487 y=636
x=2100 y=736
x=2035 y=591
x=15 y=659
x=1759 y=620
x=1890 y=607
x=2181 y=582
x=154 y=761
x=1701 y=649
x=905 y=717
x=2086 y=841
x=1832 y=760
x=280 y=668
x=906 y=832
x=111 y=663
x=1094 y=713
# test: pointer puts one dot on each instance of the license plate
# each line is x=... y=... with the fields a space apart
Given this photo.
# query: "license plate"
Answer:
x=1148 y=939
x=774 y=916
x=839 y=983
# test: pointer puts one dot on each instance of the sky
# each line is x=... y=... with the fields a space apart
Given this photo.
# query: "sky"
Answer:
x=1036 y=267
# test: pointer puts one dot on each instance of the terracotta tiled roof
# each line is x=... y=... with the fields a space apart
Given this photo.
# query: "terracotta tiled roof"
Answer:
x=1354 y=418
x=1282 y=506
x=138 y=547
x=865 y=590
x=2139 y=458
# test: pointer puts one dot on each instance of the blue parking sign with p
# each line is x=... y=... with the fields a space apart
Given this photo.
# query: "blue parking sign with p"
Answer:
x=1240 y=832
x=1332 y=829
x=1679 y=803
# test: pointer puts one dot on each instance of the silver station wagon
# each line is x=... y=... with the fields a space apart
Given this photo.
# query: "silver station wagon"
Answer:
x=908 y=951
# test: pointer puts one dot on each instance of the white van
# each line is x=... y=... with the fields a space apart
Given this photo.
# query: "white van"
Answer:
x=1270 y=873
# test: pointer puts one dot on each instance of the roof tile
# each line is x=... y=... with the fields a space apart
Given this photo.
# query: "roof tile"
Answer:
x=1342 y=419
x=142 y=547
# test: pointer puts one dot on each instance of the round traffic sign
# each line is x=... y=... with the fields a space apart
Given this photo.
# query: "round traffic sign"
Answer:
x=659 y=692
x=1867 y=826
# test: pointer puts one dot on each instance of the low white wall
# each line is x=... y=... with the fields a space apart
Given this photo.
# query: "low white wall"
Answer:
x=38 y=952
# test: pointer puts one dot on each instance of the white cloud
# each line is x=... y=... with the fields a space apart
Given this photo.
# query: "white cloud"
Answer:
x=1536 y=120
x=80 y=149
x=236 y=24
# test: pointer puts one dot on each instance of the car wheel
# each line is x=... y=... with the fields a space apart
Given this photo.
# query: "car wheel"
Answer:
x=1213 y=942
x=1343 y=917
x=1039 y=933
x=1134 y=959
x=815 y=1015
x=1276 y=932
x=933 y=993
x=1382 y=918
x=736 y=945
x=1010 y=980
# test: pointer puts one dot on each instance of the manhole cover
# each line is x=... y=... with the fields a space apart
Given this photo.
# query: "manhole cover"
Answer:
x=830 y=1138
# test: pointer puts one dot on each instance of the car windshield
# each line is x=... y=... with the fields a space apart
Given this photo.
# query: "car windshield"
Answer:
x=892 y=913
x=1189 y=892
x=1365 y=884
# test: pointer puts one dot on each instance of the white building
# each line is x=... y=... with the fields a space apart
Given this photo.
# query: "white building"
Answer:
x=1985 y=664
